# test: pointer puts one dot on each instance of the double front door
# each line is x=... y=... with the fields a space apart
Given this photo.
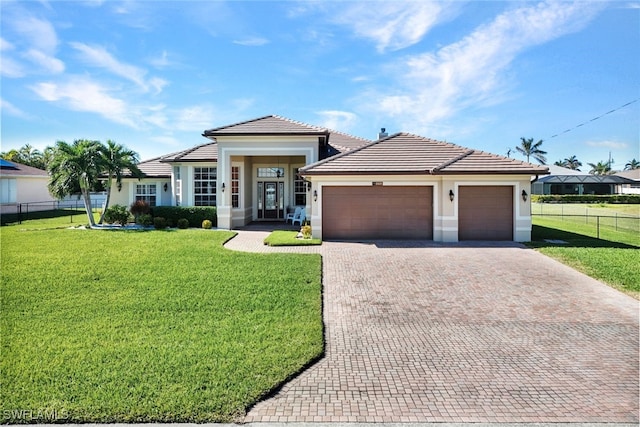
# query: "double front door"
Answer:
x=270 y=200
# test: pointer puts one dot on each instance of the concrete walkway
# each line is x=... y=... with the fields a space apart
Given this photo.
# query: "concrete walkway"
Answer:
x=425 y=332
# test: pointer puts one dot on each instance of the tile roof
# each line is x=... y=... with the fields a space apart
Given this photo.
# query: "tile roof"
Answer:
x=18 y=169
x=204 y=152
x=404 y=153
x=154 y=168
x=267 y=125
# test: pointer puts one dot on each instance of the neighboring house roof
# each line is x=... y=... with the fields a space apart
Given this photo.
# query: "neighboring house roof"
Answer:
x=404 y=153
x=585 y=179
x=632 y=174
x=559 y=170
x=15 y=169
x=267 y=125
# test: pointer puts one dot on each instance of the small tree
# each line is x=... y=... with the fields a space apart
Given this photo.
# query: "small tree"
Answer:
x=117 y=159
x=139 y=207
x=75 y=165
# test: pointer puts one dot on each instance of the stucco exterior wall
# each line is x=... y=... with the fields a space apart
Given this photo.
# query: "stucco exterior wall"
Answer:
x=445 y=211
x=31 y=190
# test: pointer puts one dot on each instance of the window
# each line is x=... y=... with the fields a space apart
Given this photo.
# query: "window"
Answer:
x=270 y=172
x=299 y=191
x=8 y=190
x=235 y=186
x=204 y=186
x=178 y=185
x=146 y=192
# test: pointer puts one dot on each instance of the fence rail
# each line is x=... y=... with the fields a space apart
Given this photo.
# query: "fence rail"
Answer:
x=23 y=211
x=617 y=222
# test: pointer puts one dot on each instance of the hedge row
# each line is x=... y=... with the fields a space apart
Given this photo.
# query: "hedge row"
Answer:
x=195 y=215
x=586 y=198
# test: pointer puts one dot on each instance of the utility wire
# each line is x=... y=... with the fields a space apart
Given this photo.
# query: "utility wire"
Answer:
x=595 y=118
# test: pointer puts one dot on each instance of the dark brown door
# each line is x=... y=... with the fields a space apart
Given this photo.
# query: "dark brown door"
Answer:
x=485 y=212
x=377 y=212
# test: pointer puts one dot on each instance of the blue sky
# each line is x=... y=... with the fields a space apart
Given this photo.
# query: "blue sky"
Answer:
x=153 y=75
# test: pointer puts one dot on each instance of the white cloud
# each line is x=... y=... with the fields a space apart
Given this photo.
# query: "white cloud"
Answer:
x=11 y=68
x=195 y=118
x=81 y=94
x=434 y=86
x=99 y=57
x=608 y=144
x=392 y=25
x=334 y=119
x=40 y=34
x=33 y=39
x=48 y=63
x=12 y=110
x=5 y=45
x=252 y=41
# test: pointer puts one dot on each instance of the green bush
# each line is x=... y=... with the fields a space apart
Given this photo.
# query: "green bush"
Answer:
x=116 y=214
x=159 y=223
x=586 y=198
x=183 y=223
x=206 y=224
x=195 y=214
x=145 y=220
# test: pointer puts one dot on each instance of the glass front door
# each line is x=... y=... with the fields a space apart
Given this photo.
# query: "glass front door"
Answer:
x=270 y=200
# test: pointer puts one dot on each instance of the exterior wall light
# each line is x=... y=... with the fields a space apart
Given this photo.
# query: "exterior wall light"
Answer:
x=308 y=185
x=524 y=196
x=315 y=195
x=223 y=187
x=451 y=195
x=166 y=186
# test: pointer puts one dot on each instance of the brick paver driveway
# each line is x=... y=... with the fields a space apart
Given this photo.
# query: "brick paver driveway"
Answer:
x=433 y=333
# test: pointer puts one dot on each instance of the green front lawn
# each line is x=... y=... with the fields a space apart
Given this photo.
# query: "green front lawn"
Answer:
x=613 y=259
x=288 y=238
x=124 y=326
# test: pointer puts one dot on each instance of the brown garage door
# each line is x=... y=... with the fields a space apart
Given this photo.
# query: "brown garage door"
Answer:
x=485 y=213
x=377 y=212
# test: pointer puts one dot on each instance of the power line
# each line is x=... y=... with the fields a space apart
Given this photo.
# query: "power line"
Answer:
x=595 y=118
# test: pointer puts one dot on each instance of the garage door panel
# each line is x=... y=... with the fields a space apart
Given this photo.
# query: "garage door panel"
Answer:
x=485 y=213
x=377 y=212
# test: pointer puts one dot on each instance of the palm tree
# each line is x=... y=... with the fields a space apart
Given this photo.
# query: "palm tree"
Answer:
x=572 y=163
x=632 y=165
x=529 y=149
x=600 y=168
x=116 y=159
x=73 y=165
x=561 y=163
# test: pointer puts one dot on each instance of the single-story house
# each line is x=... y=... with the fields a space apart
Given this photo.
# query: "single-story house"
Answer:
x=566 y=181
x=399 y=186
x=632 y=187
x=23 y=188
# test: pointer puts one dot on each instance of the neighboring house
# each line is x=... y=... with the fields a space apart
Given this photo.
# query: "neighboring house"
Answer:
x=23 y=188
x=567 y=181
x=630 y=187
x=400 y=186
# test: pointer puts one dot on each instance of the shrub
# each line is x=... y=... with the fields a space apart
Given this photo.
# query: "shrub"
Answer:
x=139 y=207
x=183 y=223
x=145 y=220
x=195 y=214
x=159 y=223
x=306 y=231
x=586 y=198
x=207 y=224
x=116 y=214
